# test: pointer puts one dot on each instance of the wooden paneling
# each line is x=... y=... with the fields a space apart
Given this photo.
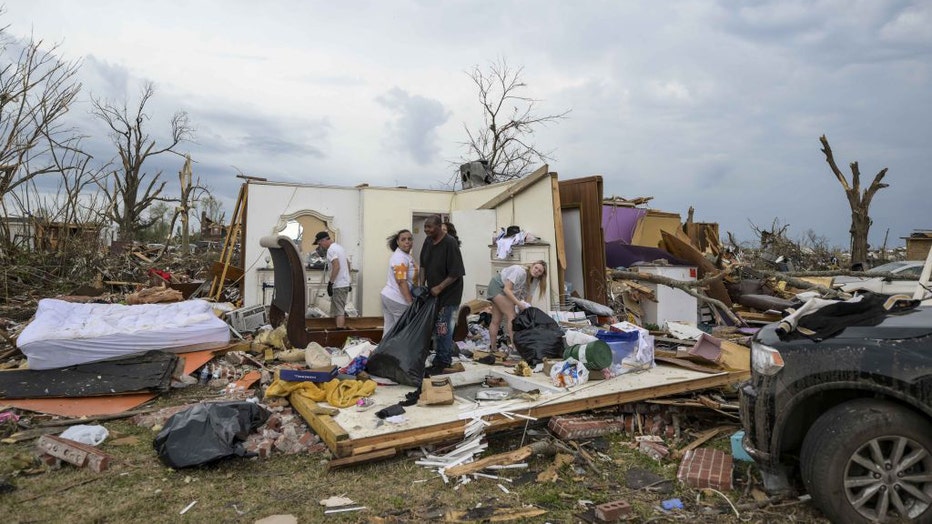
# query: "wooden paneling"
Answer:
x=586 y=195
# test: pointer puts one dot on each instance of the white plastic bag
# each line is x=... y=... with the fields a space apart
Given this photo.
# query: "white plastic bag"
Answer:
x=575 y=337
x=91 y=435
x=315 y=356
x=643 y=357
x=568 y=373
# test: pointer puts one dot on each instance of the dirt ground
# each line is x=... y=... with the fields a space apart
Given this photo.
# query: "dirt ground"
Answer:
x=139 y=488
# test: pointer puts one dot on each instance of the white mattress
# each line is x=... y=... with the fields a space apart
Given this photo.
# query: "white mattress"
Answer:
x=64 y=333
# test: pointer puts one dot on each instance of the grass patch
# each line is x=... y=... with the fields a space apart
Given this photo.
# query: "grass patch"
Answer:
x=139 y=488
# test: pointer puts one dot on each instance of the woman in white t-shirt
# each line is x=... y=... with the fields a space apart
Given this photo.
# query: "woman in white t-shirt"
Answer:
x=508 y=291
x=402 y=274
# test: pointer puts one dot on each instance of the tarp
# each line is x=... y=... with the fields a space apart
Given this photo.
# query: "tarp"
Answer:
x=619 y=223
x=619 y=254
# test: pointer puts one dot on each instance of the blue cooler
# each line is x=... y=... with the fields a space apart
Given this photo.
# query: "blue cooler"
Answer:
x=622 y=343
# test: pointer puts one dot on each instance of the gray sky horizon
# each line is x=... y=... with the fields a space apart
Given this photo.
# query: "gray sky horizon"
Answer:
x=711 y=104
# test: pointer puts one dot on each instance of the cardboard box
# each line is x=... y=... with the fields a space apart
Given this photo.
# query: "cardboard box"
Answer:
x=308 y=375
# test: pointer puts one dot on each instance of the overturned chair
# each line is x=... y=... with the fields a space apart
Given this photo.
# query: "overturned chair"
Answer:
x=289 y=303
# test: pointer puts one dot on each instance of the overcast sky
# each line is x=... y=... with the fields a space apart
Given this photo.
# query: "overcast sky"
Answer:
x=714 y=105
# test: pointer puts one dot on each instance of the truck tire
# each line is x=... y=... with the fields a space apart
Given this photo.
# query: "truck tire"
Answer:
x=869 y=460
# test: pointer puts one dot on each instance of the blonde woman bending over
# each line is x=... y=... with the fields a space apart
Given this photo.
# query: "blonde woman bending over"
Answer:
x=508 y=291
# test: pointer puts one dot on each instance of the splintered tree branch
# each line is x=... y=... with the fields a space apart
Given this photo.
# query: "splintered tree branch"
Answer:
x=858 y=202
x=687 y=287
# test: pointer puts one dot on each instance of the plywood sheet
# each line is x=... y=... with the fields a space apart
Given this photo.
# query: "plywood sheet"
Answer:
x=361 y=432
x=97 y=406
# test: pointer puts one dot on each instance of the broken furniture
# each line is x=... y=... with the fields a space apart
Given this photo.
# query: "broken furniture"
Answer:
x=289 y=303
x=672 y=304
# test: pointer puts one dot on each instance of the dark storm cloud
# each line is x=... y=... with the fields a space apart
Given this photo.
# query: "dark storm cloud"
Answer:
x=413 y=128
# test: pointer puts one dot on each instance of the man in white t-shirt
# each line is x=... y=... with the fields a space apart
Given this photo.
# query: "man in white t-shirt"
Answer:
x=338 y=284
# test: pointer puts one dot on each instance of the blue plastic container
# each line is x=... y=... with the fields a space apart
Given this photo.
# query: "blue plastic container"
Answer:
x=737 y=452
x=622 y=344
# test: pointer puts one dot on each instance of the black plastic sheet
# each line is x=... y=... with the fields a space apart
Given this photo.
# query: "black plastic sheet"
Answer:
x=537 y=336
x=401 y=354
x=208 y=432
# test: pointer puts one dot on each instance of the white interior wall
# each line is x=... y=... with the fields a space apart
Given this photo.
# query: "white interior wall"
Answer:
x=532 y=210
x=267 y=202
x=363 y=218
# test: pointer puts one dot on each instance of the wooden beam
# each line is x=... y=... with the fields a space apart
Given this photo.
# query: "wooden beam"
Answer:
x=326 y=428
x=445 y=432
x=352 y=460
x=510 y=457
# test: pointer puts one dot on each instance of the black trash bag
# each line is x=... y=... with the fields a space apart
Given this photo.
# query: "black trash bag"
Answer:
x=401 y=354
x=207 y=432
x=537 y=336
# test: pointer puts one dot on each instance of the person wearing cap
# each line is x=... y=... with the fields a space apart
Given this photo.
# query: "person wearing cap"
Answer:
x=442 y=271
x=338 y=284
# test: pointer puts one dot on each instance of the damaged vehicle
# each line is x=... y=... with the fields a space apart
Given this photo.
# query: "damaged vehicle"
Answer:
x=907 y=279
x=849 y=413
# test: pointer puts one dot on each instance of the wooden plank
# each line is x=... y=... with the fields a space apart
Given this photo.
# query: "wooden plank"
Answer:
x=758 y=317
x=402 y=440
x=352 y=460
x=454 y=430
x=687 y=364
x=517 y=187
x=326 y=428
x=509 y=457
x=682 y=249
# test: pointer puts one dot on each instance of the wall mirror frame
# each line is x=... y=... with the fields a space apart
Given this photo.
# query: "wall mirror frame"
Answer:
x=308 y=223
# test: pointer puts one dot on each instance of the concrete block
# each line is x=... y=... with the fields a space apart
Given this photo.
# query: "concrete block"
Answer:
x=76 y=453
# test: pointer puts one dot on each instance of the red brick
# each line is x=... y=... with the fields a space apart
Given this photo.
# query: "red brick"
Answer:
x=612 y=511
x=50 y=461
x=576 y=427
x=706 y=468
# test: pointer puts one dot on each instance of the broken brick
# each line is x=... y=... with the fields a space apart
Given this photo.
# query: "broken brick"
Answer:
x=577 y=427
x=50 y=461
x=706 y=468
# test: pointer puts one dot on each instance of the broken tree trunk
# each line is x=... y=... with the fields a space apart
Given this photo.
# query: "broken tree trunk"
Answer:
x=858 y=202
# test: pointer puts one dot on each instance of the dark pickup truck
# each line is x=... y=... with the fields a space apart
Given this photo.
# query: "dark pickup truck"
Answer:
x=850 y=414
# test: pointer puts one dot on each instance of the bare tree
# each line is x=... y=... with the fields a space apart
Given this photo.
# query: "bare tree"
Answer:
x=509 y=121
x=858 y=202
x=133 y=189
x=36 y=91
x=212 y=209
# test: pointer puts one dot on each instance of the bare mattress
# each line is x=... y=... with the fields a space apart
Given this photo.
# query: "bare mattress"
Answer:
x=64 y=333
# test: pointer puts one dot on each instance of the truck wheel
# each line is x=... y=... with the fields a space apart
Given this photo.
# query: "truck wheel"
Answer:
x=870 y=461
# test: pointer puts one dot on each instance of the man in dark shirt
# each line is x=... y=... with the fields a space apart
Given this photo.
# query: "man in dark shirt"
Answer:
x=442 y=270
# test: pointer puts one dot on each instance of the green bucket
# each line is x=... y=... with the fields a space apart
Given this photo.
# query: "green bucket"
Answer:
x=596 y=355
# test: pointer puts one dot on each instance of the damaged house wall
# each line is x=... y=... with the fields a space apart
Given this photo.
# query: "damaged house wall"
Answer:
x=363 y=216
x=649 y=228
x=268 y=202
x=533 y=205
